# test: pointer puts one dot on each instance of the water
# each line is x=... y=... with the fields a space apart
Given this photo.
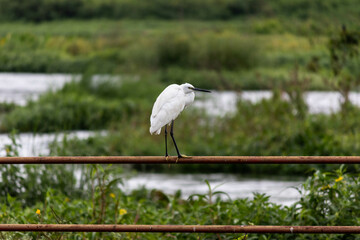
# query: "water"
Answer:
x=222 y=103
x=20 y=87
x=281 y=191
x=32 y=145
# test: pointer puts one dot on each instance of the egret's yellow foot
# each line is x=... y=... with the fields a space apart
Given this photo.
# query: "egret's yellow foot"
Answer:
x=182 y=156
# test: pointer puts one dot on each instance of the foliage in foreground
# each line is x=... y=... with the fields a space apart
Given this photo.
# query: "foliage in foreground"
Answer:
x=327 y=199
x=52 y=194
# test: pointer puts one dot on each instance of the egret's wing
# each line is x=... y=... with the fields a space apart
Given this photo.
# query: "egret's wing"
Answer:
x=167 y=94
x=166 y=108
x=167 y=113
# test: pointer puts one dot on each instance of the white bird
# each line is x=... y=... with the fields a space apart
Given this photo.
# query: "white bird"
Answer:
x=167 y=107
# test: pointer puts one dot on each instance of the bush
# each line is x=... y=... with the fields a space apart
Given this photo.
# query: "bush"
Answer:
x=57 y=112
x=224 y=51
x=329 y=199
x=44 y=10
x=24 y=61
x=268 y=26
x=173 y=50
x=51 y=9
x=92 y=103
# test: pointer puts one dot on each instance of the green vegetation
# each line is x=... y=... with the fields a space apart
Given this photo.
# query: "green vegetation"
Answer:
x=248 y=132
x=269 y=127
x=174 y=10
x=83 y=105
x=126 y=52
x=231 y=55
x=133 y=47
x=252 y=49
x=327 y=199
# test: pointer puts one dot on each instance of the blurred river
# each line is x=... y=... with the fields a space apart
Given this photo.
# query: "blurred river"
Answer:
x=19 y=88
x=282 y=191
x=32 y=145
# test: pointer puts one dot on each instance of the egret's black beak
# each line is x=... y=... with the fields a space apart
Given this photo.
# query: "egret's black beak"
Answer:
x=201 y=90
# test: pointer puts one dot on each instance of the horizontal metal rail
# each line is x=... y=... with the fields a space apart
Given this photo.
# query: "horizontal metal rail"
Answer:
x=188 y=160
x=179 y=228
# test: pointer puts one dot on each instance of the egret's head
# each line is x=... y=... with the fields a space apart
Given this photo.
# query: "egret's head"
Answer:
x=187 y=88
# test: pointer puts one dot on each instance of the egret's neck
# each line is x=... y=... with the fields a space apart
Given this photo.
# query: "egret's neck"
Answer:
x=189 y=98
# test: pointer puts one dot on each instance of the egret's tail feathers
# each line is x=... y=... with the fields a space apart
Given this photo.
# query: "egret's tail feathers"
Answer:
x=155 y=131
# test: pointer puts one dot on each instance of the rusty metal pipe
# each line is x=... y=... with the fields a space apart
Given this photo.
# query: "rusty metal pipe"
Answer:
x=179 y=228
x=190 y=160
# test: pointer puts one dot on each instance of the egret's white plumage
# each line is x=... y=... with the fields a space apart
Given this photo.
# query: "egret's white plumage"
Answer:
x=169 y=104
x=167 y=107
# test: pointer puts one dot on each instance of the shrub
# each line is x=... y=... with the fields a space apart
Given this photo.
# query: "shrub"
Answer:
x=173 y=50
x=55 y=112
x=224 y=51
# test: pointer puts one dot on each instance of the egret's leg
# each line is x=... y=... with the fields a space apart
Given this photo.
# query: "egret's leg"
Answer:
x=172 y=136
x=166 y=151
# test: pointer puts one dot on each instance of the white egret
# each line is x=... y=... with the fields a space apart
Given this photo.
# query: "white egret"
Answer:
x=168 y=105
